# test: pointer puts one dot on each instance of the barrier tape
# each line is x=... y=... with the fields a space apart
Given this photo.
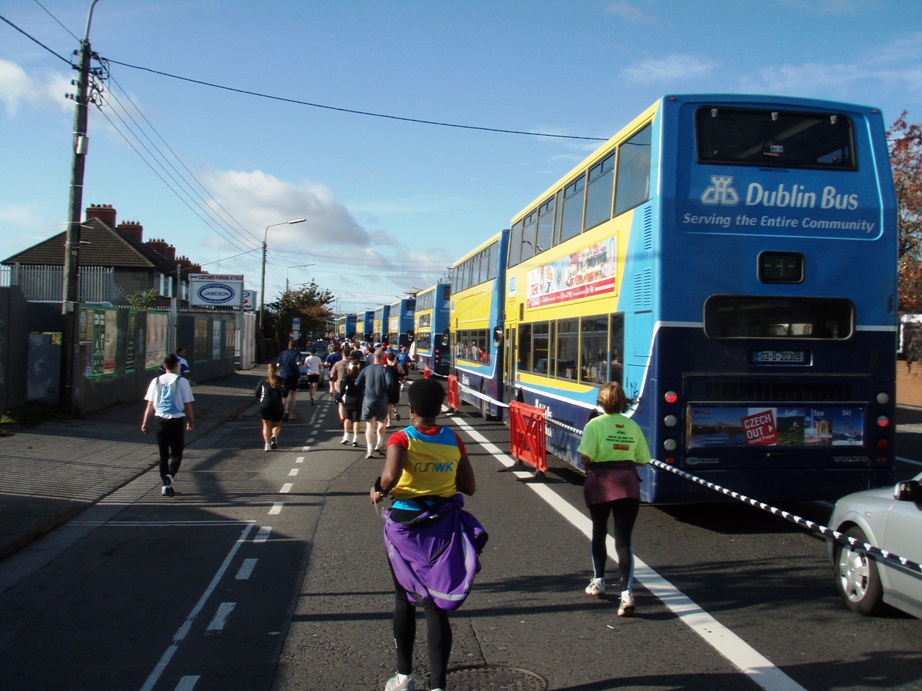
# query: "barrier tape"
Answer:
x=825 y=531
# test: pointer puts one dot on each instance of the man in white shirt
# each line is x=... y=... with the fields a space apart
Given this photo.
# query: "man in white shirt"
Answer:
x=169 y=399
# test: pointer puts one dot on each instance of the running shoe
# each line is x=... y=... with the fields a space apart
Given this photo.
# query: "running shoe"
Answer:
x=626 y=607
x=268 y=447
x=274 y=442
x=406 y=685
x=355 y=442
x=169 y=488
x=165 y=492
x=370 y=453
x=285 y=417
x=596 y=587
x=345 y=440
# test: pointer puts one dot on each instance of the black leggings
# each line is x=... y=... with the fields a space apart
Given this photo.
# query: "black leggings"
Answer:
x=438 y=636
x=625 y=512
x=171 y=440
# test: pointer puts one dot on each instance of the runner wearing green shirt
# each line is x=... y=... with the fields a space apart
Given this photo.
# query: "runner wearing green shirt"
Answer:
x=611 y=448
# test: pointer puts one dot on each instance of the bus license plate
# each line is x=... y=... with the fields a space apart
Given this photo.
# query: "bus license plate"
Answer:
x=780 y=357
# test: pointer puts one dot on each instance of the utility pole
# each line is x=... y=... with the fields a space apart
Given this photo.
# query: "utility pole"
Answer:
x=71 y=340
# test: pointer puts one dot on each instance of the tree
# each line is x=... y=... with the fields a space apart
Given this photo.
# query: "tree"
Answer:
x=309 y=303
x=906 y=160
x=143 y=301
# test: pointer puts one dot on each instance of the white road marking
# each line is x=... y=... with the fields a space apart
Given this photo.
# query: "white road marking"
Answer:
x=299 y=459
x=293 y=472
x=187 y=683
x=263 y=534
x=305 y=448
x=748 y=660
x=908 y=460
x=183 y=631
x=286 y=488
x=276 y=508
x=220 y=617
x=246 y=569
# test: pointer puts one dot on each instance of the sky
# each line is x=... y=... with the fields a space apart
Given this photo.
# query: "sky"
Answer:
x=389 y=203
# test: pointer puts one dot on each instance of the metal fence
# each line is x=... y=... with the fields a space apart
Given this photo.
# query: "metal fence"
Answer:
x=46 y=283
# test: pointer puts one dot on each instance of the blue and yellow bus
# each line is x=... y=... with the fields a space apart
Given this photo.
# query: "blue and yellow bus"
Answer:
x=476 y=321
x=345 y=326
x=431 y=325
x=731 y=261
x=380 y=324
x=400 y=329
x=368 y=325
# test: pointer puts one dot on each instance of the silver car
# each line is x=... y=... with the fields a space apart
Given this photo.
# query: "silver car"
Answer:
x=890 y=519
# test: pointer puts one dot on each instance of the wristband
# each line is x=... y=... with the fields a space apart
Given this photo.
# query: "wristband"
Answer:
x=378 y=488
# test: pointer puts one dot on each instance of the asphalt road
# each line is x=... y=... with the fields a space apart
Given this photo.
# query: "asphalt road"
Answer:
x=267 y=571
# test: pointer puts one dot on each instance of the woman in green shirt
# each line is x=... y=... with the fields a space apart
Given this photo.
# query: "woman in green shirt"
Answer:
x=611 y=448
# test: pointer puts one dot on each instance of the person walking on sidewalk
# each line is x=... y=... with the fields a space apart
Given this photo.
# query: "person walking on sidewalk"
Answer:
x=314 y=365
x=377 y=381
x=611 y=448
x=288 y=361
x=271 y=396
x=169 y=400
x=427 y=465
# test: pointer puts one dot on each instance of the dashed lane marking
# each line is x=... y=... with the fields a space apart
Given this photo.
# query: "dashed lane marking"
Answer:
x=246 y=569
x=263 y=534
x=276 y=508
x=220 y=617
x=183 y=631
x=286 y=488
x=293 y=472
x=187 y=683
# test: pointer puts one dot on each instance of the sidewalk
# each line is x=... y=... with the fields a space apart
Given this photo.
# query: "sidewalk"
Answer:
x=52 y=472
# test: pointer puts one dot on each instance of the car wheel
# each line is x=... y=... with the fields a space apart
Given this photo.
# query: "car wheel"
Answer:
x=857 y=579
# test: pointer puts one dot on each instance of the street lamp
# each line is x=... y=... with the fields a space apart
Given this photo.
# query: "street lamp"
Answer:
x=262 y=283
x=296 y=266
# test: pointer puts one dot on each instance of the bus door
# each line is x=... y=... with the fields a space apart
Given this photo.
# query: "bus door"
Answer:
x=508 y=358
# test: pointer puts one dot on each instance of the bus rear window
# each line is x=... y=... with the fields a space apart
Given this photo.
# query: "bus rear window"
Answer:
x=774 y=138
x=754 y=316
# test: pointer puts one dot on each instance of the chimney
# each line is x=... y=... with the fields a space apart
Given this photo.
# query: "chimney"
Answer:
x=171 y=252
x=157 y=245
x=104 y=212
x=132 y=228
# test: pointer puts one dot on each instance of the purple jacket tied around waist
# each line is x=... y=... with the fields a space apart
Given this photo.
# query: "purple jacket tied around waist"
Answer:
x=435 y=557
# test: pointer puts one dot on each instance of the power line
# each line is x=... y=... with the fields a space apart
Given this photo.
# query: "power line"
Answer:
x=35 y=40
x=366 y=113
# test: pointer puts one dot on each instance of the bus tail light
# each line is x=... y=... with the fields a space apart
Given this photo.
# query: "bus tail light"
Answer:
x=883 y=444
x=883 y=421
x=883 y=398
x=671 y=397
x=670 y=444
x=670 y=421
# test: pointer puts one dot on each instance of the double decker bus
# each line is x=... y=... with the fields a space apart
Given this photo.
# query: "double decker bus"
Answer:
x=731 y=261
x=478 y=280
x=431 y=325
x=380 y=323
x=345 y=326
x=400 y=328
x=368 y=325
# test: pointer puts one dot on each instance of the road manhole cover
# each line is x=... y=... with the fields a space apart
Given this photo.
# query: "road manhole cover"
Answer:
x=484 y=677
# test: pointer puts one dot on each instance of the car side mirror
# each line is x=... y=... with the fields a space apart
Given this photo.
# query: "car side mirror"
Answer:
x=908 y=491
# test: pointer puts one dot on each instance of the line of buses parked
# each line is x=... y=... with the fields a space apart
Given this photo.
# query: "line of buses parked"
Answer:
x=731 y=261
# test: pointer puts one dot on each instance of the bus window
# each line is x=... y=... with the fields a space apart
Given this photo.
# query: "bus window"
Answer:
x=528 y=235
x=540 y=350
x=745 y=316
x=492 y=251
x=774 y=138
x=633 y=182
x=515 y=244
x=571 y=218
x=524 y=338
x=599 y=192
x=567 y=348
x=593 y=350
x=545 y=226
x=616 y=345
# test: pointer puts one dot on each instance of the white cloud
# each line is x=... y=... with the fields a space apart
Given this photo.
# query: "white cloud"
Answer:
x=257 y=199
x=669 y=68
x=626 y=11
x=18 y=89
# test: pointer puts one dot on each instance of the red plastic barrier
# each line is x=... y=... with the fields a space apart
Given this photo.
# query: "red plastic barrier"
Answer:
x=426 y=372
x=454 y=400
x=526 y=427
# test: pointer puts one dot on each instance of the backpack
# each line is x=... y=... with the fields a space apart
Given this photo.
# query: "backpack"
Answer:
x=166 y=396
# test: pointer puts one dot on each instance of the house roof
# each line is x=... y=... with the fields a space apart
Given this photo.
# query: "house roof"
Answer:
x=100 y=245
